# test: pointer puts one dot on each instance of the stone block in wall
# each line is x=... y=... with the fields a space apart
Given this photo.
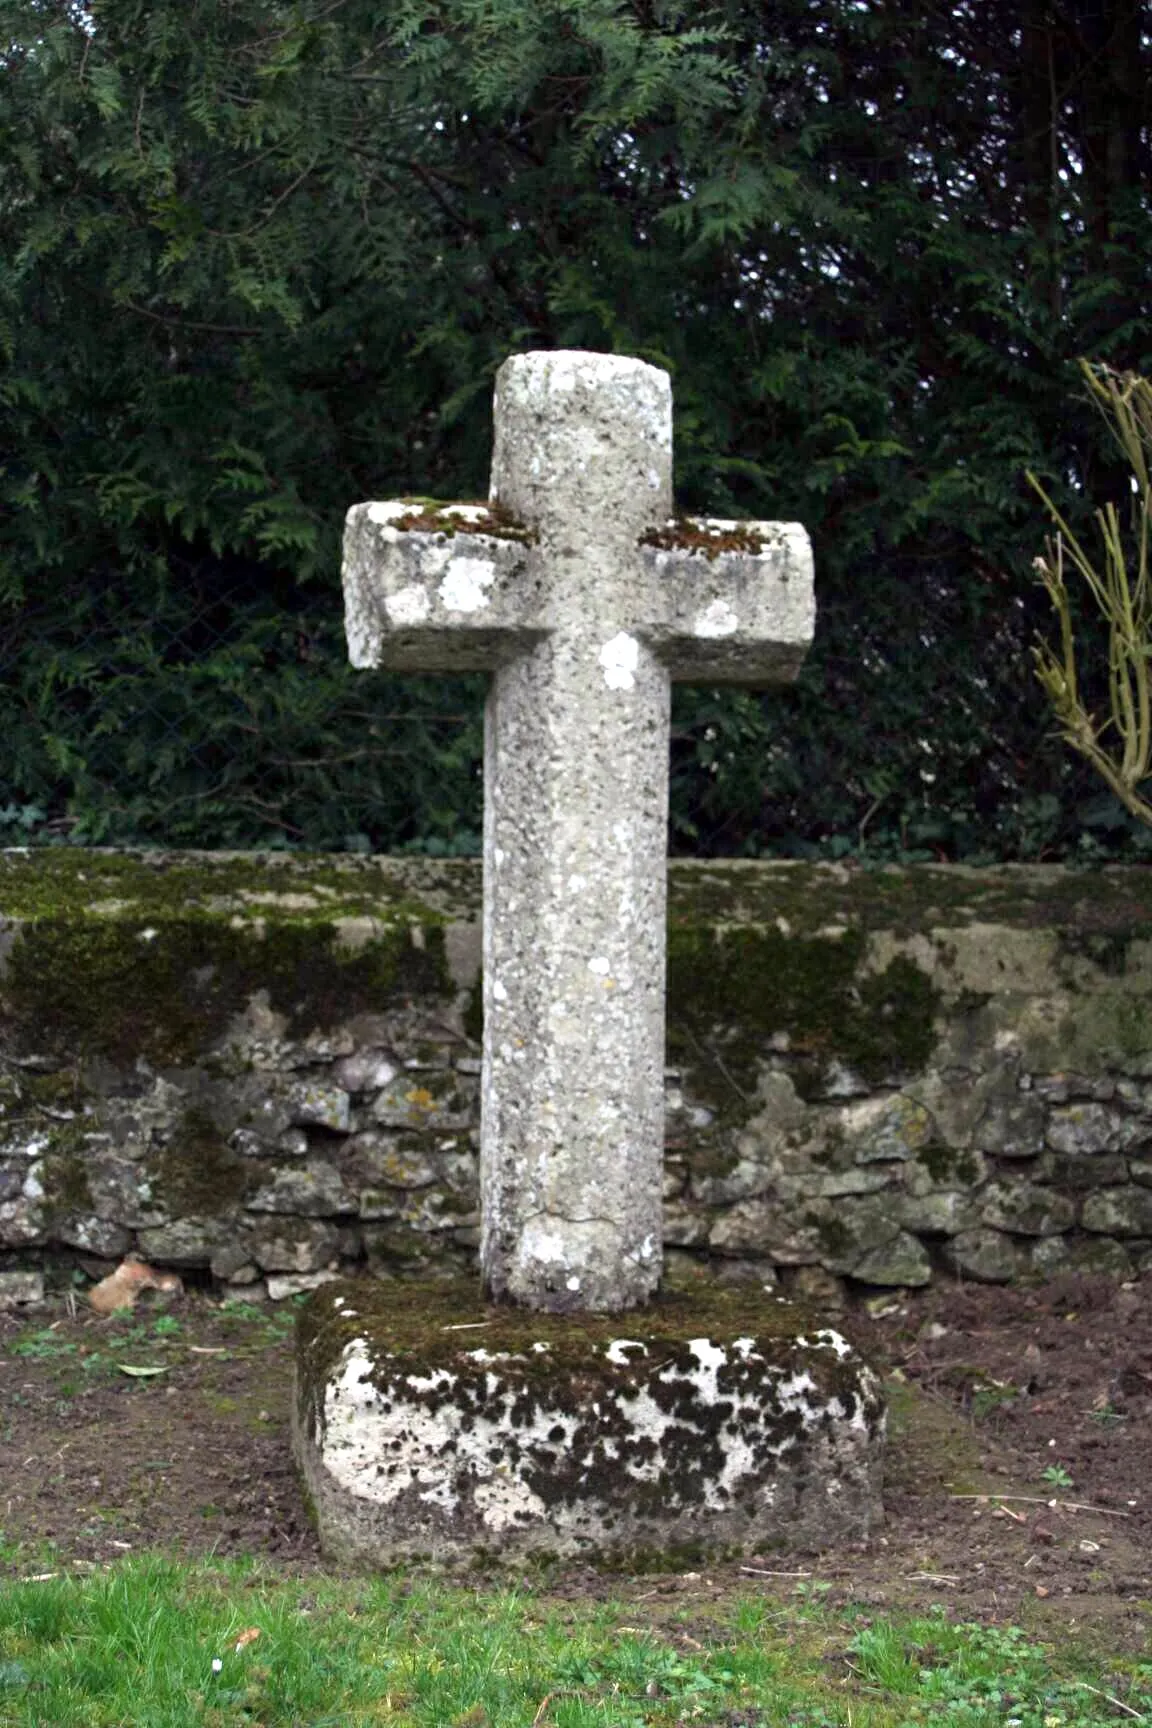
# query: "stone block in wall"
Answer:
x=1124 y=1211
x=366 y=1070
x=1075 y=1173
x=1059 y=1088
x=1026 y=1208
x=292 y=1143
x=986 y=1255
x=289 y=1244
x=936 y=1212
x=958 y=1099
x=1088 y=1128
x=886 y=1127
x=834 y=1184
x=186 y=1241
x=901 y=1261
x=760 y=1225
x=20 y=1290
x=93 y=1235
x=399 y=1248
x=1100 y=1256
x=1012 y=1127
x=315 y=1105
x=376 y=1158
x=312 y=1189
x=376 y=1204
x=429 y=1100
x=121 y=1189
x=686 y=1226
x=941 y=1168
x=744 y=1179
x=432 y=1210
x=279 y=1108
x=24 y=1216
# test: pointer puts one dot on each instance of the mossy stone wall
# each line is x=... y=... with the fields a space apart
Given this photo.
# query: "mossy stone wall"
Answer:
x=267 y=1067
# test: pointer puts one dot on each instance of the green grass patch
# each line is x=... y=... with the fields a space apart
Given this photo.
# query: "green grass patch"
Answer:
x=161 y=1645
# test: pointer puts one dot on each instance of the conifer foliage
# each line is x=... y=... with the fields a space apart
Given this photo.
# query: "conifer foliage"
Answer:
x=259 y=260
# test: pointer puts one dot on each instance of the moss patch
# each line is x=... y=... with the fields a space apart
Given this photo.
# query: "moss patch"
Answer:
x=431 y=516
x=949 y=1163
x=197 y=1173
x=908 y=901
x=123 y=987
x=73 y=881
x=424 y=1326
x=730 y=990
x=693 y=534
x=64 y=1175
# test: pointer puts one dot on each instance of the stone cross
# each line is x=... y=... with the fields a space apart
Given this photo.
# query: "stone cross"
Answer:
x=585 y=600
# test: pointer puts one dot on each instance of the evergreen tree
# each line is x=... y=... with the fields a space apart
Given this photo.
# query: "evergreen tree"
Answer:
x=259 y=260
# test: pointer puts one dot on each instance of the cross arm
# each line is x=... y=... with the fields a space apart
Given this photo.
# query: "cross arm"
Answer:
x=732 y=602
x=433 y=600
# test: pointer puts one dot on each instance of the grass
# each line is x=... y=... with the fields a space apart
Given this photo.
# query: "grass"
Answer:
x=155 y=1644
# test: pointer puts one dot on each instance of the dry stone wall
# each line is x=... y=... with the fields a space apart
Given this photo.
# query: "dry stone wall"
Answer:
x=264 y=1070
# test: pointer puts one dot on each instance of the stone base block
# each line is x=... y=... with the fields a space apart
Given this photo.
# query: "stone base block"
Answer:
x=430 y=1426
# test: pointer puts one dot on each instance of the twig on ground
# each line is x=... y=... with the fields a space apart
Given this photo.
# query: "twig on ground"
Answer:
x=759 y=1572
x=1109 y=1698
x=935 y=1577
x=1039 y=1500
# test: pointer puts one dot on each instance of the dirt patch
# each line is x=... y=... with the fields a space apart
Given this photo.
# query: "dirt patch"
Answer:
x=1018 y=1477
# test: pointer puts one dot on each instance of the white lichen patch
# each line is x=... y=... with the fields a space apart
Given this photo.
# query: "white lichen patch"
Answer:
x=620 y=657
x=507 y=1503
x=408 y=606
x=620 y=1349
x=382 y=1446
x=827 y=1339
x=466 y=583
x=388 y=510
x=716 y=620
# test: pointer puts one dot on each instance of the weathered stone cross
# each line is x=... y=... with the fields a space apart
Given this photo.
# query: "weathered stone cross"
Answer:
x=585 y=600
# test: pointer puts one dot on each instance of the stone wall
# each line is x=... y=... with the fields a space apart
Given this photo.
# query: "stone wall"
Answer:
x=267 y=1068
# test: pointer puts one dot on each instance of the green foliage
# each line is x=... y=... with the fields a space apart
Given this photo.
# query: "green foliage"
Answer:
x=259 y=261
